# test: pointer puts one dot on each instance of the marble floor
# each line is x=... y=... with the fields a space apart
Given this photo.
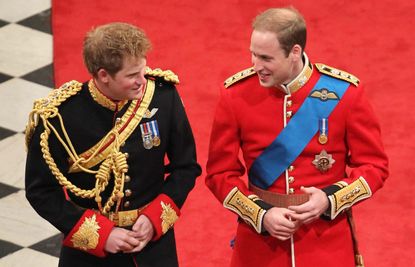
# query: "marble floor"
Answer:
x=26 y=73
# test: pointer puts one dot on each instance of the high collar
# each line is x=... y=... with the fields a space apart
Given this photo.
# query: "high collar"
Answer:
x=301 y=78
x=103 y=100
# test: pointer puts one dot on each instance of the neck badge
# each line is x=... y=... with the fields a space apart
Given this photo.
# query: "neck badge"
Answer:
x=323 y=161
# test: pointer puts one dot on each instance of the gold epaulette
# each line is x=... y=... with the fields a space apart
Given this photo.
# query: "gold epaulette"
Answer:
x=336 y=73
x=167 y=75
x=239 y=76
x=47 y=106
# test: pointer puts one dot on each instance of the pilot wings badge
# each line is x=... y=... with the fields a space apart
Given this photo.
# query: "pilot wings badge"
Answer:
x=324 y=94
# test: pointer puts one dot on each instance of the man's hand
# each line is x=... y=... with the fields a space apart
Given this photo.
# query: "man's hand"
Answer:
x=120 y=240
x=143 y=232
x=278 y=223
x=313 y=208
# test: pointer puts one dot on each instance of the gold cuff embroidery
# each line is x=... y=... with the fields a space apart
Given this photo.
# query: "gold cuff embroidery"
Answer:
x=245 y=207
x=168 y=217
x=348 y=196
x=87 y=235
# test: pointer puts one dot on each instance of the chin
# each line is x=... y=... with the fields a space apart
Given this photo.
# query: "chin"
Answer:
x=266 y=84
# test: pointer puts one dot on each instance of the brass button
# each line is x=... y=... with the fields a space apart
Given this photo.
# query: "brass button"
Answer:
x=291 y=179
x=127 y=178
x=291 y=168
x=123 y=144
x=126 y=204
x=289 y=103
x=126 y=155
x=128 y=192
x=289 y=114
x=118 y=120
x=291 y=191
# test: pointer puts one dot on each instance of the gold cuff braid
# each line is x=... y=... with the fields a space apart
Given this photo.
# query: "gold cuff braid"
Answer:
x=245 y=207
x=348 y=196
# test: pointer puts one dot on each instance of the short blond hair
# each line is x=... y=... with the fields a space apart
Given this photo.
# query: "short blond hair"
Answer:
x=287 y=23
x=106 y=46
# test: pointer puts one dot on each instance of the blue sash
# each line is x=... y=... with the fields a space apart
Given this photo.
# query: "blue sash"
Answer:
x=292 y=140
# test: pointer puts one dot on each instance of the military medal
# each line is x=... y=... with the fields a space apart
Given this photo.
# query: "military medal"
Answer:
x=156 y=141
x=323 y=161
x=147 y=141
x=155 y=131
x=150 y=134
x=146 y=135
x=323 y=129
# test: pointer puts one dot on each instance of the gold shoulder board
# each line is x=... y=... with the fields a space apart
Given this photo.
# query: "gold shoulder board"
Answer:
x=48 y=105
x=167 y=75
x=339 y=74
x=239 y=76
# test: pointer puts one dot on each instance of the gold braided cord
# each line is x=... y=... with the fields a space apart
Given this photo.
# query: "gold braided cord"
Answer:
x=167 y=75
x=115 y=163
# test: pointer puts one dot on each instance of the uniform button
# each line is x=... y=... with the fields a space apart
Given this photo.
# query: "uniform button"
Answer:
x=128 y=192
x=127 y=178
x=291 y=168
x=291 y=179
x=118 y=120
x=289 y=114
x=289 y=103
x=126 y=204
x=123 y=144
x=291 y=191
x=126 y=155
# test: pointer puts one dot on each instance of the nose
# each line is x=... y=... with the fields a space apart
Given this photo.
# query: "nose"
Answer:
x=256 y=63
x=141 y=79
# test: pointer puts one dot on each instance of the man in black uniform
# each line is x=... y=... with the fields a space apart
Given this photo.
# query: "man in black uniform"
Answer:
x=111 y=161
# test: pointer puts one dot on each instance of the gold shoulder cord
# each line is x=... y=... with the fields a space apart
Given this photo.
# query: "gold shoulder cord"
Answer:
x=115 y=163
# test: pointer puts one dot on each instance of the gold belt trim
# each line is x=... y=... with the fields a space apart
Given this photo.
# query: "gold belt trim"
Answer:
x=125 y=218
x=279 y=200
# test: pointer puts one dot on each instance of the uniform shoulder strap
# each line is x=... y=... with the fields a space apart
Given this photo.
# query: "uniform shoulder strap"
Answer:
x=336 y=73
x=239 y=76
x=48 y=106
x=167 y=75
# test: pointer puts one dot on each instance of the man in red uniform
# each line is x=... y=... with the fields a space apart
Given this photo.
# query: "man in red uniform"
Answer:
x=299 y=128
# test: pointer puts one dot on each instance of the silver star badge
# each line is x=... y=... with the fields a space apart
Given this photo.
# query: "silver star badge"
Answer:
x=323 y=161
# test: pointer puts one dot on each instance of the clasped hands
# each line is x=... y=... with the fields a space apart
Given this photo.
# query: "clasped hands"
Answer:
x=130 y=241
x=282 y=223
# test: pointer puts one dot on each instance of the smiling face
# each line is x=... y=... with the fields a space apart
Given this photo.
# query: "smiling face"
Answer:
x=270 y=61
x=127 y=83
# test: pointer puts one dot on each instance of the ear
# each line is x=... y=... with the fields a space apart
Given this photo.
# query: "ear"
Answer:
x=103 y=76
x=296 y=52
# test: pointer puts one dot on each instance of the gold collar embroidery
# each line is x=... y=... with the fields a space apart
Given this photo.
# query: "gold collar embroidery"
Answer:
x=104 y=101
x=301 y=78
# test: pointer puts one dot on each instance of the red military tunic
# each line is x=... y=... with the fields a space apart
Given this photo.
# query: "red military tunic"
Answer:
x=248 y=118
